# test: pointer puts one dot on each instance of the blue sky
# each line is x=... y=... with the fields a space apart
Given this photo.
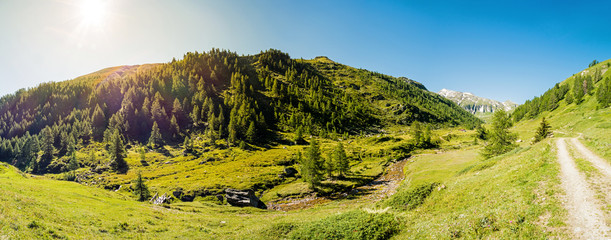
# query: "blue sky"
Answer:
x=496 y=49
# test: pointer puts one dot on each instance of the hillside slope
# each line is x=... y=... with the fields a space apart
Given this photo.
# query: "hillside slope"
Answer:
x=214 y=96
x=475 y=104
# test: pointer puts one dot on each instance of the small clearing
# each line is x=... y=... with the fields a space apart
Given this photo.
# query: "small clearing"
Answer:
x=585 y=217
x=376 y=190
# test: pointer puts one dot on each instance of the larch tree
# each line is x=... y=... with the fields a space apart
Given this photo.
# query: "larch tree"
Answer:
x=543 y=131
x=500 y=140
x=140 y=189
x=117 y=153
x=312 y=165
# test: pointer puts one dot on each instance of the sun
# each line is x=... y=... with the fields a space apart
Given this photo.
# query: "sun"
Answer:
x=93 y=12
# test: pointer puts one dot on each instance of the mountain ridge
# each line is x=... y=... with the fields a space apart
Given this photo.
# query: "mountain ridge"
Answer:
x=474 y=104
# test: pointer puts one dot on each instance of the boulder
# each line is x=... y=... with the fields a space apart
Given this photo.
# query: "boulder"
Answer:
x=289 y=172
x=160 y=199
x=244 y=198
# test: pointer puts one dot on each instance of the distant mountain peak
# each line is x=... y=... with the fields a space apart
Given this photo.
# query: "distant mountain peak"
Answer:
x=473 y=103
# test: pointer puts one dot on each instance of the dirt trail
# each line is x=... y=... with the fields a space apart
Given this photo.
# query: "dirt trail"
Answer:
x=602 y=165
x=585 y=217
x=374 y=191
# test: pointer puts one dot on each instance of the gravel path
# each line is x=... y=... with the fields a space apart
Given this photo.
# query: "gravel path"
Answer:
x=585 y=217
x=602 y=165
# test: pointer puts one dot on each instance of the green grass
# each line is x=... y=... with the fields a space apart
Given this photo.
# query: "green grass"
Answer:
x=513 y=198
x=450 y=192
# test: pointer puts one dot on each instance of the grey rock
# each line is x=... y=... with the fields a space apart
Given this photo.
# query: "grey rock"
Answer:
x=245 y=198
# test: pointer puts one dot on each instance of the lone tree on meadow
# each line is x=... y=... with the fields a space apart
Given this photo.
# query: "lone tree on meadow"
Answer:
x=312 y=165
x=341 y=161
x=140 y=189
x=543 y=131
x=500 y=140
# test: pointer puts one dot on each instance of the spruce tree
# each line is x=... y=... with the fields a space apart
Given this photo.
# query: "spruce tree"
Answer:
x=47 y=150
x=251 y=133
x=329 y=165
x=312 y=165
x=117 y=153
x=341 y=161
x=481 y=132
x=73 y=163
x=155 y=140
x=297 y=137
x=140 y=189
x=500 y=139
x=543 y=131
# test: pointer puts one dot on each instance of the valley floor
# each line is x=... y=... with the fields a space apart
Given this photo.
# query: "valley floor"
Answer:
x=518 y=195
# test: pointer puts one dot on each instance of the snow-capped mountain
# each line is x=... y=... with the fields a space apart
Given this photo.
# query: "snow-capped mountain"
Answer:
x=474 y=104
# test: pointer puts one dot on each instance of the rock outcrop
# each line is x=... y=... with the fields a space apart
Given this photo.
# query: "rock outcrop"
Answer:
x=244 y=198
x=160 y=199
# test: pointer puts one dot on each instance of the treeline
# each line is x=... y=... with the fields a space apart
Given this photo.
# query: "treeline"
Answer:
x=218 y=95
x=573 y=91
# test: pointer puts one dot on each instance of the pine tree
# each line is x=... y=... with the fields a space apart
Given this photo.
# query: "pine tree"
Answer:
x=142 y=152
x=73 y=163
x=603 y=94
x=117 y=153
x=578 y=90
x=98 y=123
x=543 y=131
x=297 y=137
x=155 y=140
x=232 y=129
x=312 y=165
x=481 y=132
x=500 y=140
x=140 y=189
x=174 y=128
x=251 y=133
x=329 y=165
x=569 y=98
x=188 y=145
x=341 y=161
x=47 y=150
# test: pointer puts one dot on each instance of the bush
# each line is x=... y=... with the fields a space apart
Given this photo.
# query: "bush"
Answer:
x=351 y=225
x=413 y=198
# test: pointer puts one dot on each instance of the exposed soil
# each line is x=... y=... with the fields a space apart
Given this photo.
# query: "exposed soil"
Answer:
x=586 y=219
x=374 y=191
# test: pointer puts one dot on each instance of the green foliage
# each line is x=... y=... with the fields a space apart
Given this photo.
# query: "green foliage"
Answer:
x=117 y=153
x=73 y=163
x=47 y=151
x=155 y=140
x=543 y=131
x=603 y=94
x=312 y=165
x=500 y=140
x=140 y=189
x=251 y=133
x=341 y=161
x=593 y=63
x=481 y=133
x=412 y=198
x=351 y=225
x=422 y=138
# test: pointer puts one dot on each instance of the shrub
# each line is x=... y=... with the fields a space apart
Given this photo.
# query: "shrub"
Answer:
x=412 y=198
x=351 y=225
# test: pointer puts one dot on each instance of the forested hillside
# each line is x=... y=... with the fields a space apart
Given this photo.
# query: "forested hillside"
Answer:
x=593 y=82
x=228 y=99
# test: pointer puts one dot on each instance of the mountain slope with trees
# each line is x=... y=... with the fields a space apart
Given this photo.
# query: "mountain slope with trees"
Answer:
x=218 y=95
